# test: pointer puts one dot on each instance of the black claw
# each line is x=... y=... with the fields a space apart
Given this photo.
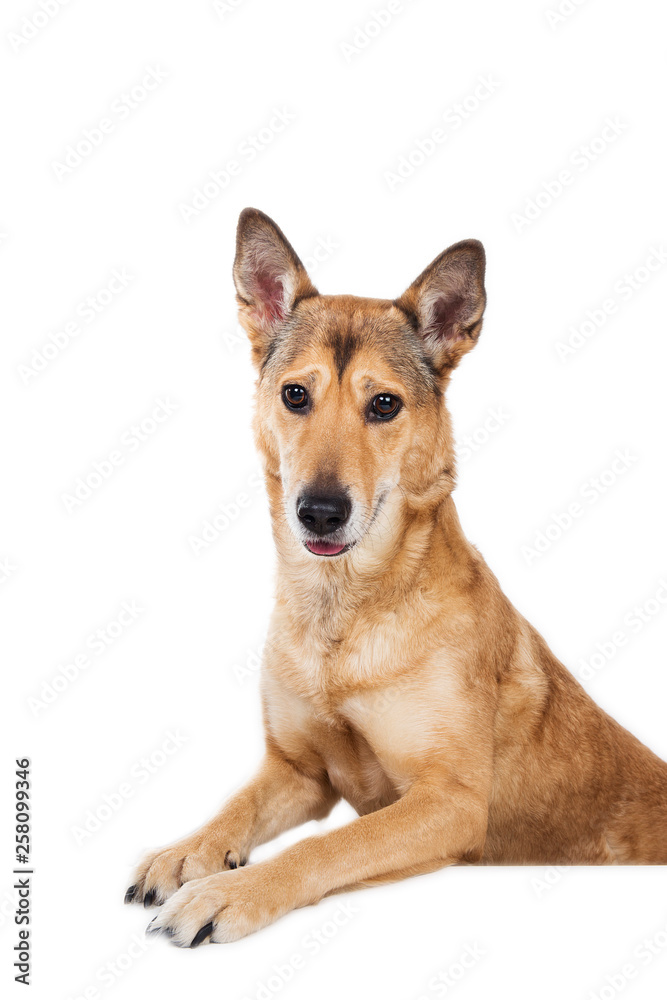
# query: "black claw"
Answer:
x=167 y=931
x=232 y=865
x=149 y=898
x=202 y=934
x=243 y=861
x=130 y=894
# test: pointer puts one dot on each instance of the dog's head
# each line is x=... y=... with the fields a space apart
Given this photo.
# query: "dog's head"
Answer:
x=350 y=408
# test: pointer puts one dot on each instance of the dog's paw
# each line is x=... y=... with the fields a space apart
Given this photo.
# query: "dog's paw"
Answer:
x=161 y=873
x=218 y=909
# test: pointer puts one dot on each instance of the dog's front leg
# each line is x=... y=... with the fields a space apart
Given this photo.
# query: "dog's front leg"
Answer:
x=278 y=798
x=432 y=825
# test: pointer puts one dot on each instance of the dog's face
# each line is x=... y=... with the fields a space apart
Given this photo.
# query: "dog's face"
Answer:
x=350 y=394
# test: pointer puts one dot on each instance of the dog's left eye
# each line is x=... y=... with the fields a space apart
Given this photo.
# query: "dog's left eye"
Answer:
x=295 y=397
x=385 y=406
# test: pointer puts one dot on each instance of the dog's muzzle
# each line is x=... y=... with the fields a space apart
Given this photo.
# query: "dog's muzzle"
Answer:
x=323 y=516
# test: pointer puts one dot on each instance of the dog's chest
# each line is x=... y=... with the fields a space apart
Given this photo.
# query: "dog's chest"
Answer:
x=353 y=767
x=340 y=705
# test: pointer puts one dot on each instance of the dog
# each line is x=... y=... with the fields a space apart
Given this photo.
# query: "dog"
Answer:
x=396 y=673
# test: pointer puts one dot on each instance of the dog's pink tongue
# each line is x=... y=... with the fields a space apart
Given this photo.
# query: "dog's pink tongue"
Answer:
x=324 y=548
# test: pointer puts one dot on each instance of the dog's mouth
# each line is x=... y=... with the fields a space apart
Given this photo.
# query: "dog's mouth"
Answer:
x=333 y=544
x=322 y=548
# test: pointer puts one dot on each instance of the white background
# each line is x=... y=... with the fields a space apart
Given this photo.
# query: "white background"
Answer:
x=172 y=334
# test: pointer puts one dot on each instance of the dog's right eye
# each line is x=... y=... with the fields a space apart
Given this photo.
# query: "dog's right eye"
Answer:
x=295 y=397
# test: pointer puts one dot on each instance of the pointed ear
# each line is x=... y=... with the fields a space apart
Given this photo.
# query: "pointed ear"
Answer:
x=269 y=277
x=446 y=302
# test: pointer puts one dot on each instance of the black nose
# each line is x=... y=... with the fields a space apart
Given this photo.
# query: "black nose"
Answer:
x=323 y=515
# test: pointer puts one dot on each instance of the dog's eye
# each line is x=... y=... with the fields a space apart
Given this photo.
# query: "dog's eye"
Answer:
x=385 y=406
x=295 y=397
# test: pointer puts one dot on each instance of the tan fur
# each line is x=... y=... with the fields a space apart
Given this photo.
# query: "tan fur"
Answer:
x=397 y=675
